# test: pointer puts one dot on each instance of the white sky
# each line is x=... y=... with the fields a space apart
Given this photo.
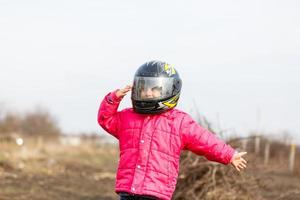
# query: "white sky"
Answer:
x=235 y=57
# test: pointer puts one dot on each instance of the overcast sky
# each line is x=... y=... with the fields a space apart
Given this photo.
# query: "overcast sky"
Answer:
x=239 y=60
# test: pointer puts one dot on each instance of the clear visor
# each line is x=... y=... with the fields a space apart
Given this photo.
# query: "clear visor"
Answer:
x=152 y=88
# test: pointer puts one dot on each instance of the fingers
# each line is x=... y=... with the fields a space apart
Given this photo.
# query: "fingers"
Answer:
x=122 y=92
x=242 y=154
x=240 y=167
x=126 y=89
x=240 y=164
x=243 y=161
x=243 y=165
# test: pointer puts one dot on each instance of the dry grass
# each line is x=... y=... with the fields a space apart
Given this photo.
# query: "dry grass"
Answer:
x=48 y=170
x=52 y=171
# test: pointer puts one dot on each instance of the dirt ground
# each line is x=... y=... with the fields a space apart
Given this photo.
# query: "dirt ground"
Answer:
x=87 y=173
x=283 y=186
x=275 y=181
x=58 y=172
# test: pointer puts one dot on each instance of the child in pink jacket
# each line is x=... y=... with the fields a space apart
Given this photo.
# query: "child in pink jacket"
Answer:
x=153 y=133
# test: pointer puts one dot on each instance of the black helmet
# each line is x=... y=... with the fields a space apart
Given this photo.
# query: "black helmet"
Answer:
x=156 y=88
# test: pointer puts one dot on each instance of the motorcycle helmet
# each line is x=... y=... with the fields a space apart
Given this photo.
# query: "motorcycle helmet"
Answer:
x=156 y=88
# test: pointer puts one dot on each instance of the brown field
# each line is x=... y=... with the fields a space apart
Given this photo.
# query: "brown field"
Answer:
x=50 y=171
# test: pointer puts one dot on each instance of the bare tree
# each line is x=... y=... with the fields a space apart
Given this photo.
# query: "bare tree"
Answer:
x=11 y=122
x=41 y=123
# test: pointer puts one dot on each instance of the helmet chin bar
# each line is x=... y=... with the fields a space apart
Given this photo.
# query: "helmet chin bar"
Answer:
x=155 y=106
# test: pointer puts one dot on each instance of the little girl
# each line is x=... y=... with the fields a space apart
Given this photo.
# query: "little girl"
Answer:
x=153 y=133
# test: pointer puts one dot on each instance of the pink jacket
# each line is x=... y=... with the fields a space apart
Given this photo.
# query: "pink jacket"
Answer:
x=150 y=147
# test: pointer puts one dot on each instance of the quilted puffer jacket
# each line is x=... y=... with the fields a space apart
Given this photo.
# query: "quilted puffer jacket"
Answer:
x=150 y=147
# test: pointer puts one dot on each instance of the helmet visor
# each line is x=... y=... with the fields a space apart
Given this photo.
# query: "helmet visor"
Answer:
x=152 y=88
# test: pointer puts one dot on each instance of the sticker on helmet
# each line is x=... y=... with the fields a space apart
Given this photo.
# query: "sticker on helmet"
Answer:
x=171 y=103
x=169 y=69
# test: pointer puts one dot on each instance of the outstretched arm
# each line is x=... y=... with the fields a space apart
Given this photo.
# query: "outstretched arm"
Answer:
x=202 y=142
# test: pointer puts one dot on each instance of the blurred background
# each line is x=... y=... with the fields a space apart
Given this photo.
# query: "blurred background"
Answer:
x=239 y=62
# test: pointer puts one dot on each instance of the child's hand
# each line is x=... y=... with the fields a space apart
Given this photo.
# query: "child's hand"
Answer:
x=238 y=162
x=122 y=92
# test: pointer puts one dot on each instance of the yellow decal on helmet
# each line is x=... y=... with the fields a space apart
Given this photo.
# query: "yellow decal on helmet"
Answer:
x=171 y=103
x=169 y=69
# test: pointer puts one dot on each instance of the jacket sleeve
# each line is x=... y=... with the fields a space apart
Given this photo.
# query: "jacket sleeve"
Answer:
x=203 y=142
x=108 y=116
